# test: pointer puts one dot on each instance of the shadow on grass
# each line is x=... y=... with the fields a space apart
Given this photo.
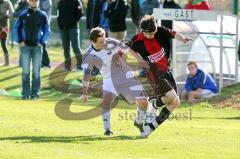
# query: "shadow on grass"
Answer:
x=5 y=69
x=13 y=87
x=227 y=118
x=10 y=77
x=65 y=139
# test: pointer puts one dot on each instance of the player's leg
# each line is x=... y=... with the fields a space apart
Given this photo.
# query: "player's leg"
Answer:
x=142 y=105
x=169 y=98
x=134 y=92
x=109 y=95
x=108 y=98
x=173 y=102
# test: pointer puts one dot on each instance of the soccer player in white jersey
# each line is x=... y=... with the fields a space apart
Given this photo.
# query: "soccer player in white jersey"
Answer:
x=117 y=79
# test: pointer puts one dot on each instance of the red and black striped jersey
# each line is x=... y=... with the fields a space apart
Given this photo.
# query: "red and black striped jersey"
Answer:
x=156 y=50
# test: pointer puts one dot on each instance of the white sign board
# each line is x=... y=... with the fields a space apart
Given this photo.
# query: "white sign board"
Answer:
x=185 y=14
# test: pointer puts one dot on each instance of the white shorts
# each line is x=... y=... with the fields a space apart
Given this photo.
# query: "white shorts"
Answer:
x=130 y=90
x=206 y=93
x=109 y=87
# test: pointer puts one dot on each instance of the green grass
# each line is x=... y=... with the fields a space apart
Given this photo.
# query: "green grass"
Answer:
x=31 y=129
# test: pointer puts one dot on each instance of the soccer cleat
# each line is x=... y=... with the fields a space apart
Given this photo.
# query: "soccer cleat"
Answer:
x=140 y=127
x=149 y=128
x=108 y=133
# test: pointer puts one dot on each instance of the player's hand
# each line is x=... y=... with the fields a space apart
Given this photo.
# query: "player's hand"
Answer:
x=186 y=39
x=84 y=98
x=144 y=64
x=40 y=45
x=21 y=44
x=117 y=57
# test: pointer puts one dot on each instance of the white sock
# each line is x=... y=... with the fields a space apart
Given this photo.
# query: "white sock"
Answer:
x=106 y=115
x=141 y=116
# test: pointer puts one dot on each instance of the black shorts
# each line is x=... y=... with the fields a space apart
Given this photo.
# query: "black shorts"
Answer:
x=162 y=82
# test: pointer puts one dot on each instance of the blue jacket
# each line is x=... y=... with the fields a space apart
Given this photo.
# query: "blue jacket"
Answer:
x=32 y=28
x=201 y=80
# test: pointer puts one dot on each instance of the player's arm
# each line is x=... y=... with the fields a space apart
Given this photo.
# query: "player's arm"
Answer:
x=85 y=81
x=182 y=38
x=126 y=49
x=142 y=63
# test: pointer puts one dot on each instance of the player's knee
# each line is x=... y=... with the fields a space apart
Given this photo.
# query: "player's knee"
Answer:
x=143 y=103
x=171 y=96
x=106 y=103
x=175 y=103
x=107 y=100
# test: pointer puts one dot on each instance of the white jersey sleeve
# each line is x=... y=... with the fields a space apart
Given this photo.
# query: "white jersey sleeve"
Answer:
x=90 y=60
x=116 y=46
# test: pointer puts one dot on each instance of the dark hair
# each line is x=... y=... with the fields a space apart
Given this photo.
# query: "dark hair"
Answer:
x=192 y=63
x=148 y=23
x=95 y=33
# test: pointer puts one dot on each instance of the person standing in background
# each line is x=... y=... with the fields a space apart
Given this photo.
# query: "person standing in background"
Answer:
x=69 y=14
x=21 y=6
x=198 y=5
x=135 y=11
x=148 y=5
x=94 y=12
x=31 y=32
x=46 y=6
x=117 y=13
x=104 y=22
x=169 y=4
x=6 y=12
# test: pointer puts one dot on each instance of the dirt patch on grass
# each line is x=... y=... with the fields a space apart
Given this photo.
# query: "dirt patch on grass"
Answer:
x=229 y=97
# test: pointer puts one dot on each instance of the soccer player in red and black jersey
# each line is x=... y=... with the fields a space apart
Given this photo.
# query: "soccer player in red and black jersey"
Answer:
x=152 y=44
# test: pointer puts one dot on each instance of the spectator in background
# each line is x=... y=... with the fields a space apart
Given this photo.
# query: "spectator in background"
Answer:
x=69 y=14
x=94 y=12
x=6 y=12
x=21 y=6
x=135 y=11
x=104 y=22
x=46 y=6
x=31 y=32
x=169 y=4
x=148 y=5
x=198 y=5
x=199 y=84
x=117 y=13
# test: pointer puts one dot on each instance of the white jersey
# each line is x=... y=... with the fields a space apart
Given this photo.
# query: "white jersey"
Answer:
x=102 y=59
x=117 y=79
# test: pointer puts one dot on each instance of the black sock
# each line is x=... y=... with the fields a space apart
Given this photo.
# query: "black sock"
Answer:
x=159 y=102
x=164 y=114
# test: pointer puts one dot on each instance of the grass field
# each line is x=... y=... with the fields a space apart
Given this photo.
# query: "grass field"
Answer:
x=31 y=129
